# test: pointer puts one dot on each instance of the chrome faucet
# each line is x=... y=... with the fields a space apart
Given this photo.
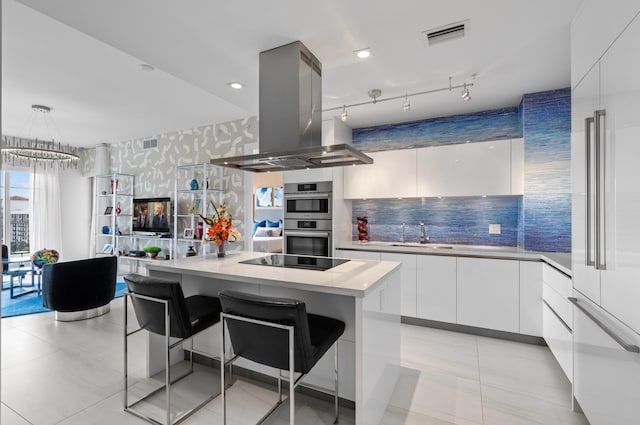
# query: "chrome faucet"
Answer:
x=424 y=238
x=403 y=225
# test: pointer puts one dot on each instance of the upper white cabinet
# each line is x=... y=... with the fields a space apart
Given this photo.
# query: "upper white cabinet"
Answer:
x=468 y=169
x=392 y=175
x=594 y=28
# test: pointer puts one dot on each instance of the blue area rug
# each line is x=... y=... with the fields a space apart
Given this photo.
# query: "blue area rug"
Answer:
x=32 y=303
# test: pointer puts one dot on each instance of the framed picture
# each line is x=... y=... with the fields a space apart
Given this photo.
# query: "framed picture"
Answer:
x=195 y=206
x=263 y=197
x=108 y=249
x=108 y=210
x=188 y=233
x=278 y=196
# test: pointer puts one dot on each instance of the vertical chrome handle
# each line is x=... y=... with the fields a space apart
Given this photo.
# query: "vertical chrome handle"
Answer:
x=587 y=155
x=599 y=171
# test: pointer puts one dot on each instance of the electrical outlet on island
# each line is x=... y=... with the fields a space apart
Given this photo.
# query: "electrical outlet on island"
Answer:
x=494 y=229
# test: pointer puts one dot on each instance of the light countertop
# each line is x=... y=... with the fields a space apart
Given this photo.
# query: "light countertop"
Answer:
x=560 y=261
x=354 y=278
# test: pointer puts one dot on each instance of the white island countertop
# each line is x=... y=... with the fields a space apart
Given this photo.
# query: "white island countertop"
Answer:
x=353 y=278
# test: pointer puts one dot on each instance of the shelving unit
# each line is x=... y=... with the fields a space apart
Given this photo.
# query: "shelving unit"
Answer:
x=190 y=202
x=114 y=223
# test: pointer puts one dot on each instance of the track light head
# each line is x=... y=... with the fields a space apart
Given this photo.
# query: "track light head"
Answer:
x=343 y=116
x=406 y=105
x=465 y=93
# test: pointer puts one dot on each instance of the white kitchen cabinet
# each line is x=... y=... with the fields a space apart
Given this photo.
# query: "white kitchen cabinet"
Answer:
x=407 y=281
x=558 y=337
x=436 y=288
x=530 y=298
x=606 y=375
x=488 y=293
x=469 y=169
x=594 y=29
x=517 y=166
x=392 y=175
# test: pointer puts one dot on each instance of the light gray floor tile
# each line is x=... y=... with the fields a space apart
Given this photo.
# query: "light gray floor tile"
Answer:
x=9 y=417
x=503 y=407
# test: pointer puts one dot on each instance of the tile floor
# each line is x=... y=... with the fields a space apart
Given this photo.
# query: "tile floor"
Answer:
x=70 y=374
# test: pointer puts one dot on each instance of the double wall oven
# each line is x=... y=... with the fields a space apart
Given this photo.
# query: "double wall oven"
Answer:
x=308 y=218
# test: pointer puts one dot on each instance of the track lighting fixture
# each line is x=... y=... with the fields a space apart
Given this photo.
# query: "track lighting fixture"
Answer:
x=465 y=93
x=406 y=106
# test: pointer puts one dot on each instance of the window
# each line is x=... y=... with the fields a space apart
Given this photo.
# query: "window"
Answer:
x=15 y=192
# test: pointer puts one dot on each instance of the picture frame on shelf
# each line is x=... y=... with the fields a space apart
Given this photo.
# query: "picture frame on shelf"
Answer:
x=108 y=210
x=195 y=206
x=188 y=233
x=107 y=249
x=278 y=196
x=264 y=197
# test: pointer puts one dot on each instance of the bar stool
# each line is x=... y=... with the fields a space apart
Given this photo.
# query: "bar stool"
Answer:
x=161 y=308
x=277 y=332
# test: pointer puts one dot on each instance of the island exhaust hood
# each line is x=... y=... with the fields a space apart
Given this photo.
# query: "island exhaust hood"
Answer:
x=290 y=125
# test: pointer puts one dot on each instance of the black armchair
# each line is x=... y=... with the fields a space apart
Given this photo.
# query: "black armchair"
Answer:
x=79 y=289
x=278 y=332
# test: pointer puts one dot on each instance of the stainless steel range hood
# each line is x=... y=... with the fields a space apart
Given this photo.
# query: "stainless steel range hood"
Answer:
x=290 y=135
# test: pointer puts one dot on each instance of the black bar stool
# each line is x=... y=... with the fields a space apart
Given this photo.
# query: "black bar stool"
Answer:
x=161 y=308
x=277 y=332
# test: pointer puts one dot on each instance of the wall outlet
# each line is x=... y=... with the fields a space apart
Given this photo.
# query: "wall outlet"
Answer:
x=494 y=229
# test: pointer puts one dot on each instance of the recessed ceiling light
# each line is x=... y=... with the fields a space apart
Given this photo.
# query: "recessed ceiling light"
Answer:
x=146 y=67
x=363 y=53
x=236 y=85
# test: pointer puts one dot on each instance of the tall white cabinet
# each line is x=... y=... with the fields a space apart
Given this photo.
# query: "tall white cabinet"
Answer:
x=606 y=201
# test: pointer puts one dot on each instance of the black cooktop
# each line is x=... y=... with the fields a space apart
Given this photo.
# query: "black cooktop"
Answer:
x=296 y=262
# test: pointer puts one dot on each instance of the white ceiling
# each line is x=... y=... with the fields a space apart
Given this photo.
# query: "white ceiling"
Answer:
x=82 y=59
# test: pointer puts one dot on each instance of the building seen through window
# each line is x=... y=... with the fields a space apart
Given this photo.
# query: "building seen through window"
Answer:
x=15 y=193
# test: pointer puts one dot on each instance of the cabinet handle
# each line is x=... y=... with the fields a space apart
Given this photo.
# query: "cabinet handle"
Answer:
x=558 y=316
x=632 y=348
x=599 y=213
x=587 y=155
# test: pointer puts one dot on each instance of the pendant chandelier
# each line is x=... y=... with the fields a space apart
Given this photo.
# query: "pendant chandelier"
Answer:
x=33 y=152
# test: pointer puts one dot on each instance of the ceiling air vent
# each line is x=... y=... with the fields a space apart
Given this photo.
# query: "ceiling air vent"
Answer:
x=449 y=32
x=149 y=144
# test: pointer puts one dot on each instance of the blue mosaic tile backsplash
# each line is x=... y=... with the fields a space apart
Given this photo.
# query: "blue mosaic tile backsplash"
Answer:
x=497 y=124
x=540 y=220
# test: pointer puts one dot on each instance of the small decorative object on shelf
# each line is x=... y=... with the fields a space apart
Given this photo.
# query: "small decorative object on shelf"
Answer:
x=106 y=230
x=220 y=228
x=152 y=251
x=108 y=210
x=118 y=209
x=191 y=252
x=113 y=186
x=193 y=185
x=188 y=233
x=363 y=228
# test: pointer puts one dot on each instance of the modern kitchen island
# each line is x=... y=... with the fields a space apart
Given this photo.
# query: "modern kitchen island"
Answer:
x=365 y=295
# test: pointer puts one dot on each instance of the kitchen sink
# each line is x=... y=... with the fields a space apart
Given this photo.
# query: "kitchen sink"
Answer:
x=419 y=245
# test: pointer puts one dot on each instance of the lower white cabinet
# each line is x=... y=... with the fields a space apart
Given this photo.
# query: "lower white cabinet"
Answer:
x=358 y=255
x=407 y=281
x=488 y=293
x=558 y=337
x=606 y=376
x=531 y=297
x=436 y=288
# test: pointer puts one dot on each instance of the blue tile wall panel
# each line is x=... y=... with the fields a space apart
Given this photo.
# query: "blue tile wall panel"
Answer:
x=497 y=124
x=541 y=220
x=547 y=179
x=448 y=220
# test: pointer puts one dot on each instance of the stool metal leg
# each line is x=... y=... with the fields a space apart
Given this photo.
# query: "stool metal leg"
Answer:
x=167 y=334
x=292 y=386
x=222 y=383
x=335 y=368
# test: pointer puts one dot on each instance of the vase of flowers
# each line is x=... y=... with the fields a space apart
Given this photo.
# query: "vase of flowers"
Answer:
x=220 y=229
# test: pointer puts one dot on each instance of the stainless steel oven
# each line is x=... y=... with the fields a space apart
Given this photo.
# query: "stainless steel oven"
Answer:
x=308 y=237
x=308 y=200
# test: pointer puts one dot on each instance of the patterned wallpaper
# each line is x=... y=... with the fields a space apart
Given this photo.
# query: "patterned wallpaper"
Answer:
x=540 y=220
x=154 y=168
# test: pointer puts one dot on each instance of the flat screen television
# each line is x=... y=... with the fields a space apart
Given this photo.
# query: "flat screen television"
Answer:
x=152 y=215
